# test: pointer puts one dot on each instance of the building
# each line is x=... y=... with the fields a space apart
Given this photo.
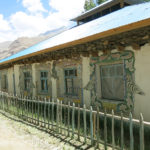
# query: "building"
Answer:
x=103 y=62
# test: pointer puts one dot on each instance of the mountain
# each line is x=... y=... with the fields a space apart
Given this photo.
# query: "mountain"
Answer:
x=9 y=48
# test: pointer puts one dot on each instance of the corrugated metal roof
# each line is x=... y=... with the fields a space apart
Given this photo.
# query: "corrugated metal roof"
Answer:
x=102 y=6
x=116 y=19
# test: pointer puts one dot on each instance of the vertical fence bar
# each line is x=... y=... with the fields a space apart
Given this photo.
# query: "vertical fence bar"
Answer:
x=131 y=132
x=105 y=130
x=22 y=102
x=27 y=108
x=48 y=113
x=32 y=108
x=122 y=132
x=68 y=118
x=61 y=117
x=57 y=115
x=41 y=120
x=45 y=112
x=97 y=133
x=91 y=124
x=141 y=132
x=38 y=111
x=52 y=114
x=73 y=125
x=78 y=122
x=112 y=130
x=84 y=119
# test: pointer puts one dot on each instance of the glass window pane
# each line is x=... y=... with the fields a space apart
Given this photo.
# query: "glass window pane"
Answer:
x=119 y=70
x=112 y=83
x=105 y=71
x=112 y=70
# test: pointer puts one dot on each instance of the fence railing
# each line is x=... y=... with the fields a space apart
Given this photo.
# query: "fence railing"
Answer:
x=96 y=128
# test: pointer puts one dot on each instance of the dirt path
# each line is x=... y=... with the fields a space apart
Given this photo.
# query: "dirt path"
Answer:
x=17 y=136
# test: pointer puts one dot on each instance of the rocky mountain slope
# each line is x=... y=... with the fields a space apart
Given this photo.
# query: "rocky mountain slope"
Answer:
x=9 y=48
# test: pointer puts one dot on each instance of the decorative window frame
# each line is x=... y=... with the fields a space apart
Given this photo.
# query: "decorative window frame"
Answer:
x=131 y=88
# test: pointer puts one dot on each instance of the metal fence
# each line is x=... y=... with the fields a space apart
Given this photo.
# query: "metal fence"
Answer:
x=101 y=130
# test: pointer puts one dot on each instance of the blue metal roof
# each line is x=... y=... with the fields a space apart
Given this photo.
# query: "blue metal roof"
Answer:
x=116 y=19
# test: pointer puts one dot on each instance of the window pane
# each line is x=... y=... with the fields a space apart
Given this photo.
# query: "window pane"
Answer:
x=107 y=90
x=42 y=85
x=71 y=72
x=112 y=82
x=105 y=71
x=119 y=70
x=112 y=70
x=118 y=86
x=66 y=72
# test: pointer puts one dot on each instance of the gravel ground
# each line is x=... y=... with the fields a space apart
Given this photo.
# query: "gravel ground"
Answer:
x=15 y=135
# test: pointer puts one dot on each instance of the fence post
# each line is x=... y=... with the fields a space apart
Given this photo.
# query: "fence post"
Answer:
x=84 y=119
x=49 y=112
x=122 y=133
x=112 y=128
x=78 y=122
x=52 y=113
x=45 y=112
x=68 y=118
x=57 y=115
x=141 y=132
x=32 y=108
x=105 y=130
x=131 y=132
x=97 y=133
x=73 y=107
x=38 y=113
x=91 y=124
x=61 y=117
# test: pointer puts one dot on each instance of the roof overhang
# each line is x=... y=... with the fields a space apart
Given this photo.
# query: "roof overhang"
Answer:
x=103 y=6
x=111 y=32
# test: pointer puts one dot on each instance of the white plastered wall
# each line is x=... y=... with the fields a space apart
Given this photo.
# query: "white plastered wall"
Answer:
x=85 y=80
x=10 y=80
x=142 y=79
x=16 y=72
x=54 y=84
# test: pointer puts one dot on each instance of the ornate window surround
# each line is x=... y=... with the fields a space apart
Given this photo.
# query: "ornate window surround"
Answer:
x=131 y=88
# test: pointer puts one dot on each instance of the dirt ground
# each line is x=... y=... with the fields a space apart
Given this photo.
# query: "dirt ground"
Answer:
x=15 y=135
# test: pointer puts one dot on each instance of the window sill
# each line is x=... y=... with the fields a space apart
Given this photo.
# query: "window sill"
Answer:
x=111 y=101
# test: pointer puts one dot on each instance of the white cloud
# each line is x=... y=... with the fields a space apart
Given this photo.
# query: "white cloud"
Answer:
x=33 y=22
x=4 y=25
x=33 y=6
x=67 y=8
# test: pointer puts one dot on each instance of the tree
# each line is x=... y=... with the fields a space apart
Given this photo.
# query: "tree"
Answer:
x=89 y=4
x=100 y=1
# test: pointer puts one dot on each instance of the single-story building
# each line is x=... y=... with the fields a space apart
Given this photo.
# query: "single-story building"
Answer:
x=101 y=62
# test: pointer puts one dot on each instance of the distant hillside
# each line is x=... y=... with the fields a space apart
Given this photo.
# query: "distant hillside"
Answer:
x=9 y=48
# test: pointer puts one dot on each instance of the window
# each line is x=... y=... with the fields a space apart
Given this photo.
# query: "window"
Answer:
x=44 y=81
x=27 y=80
x=113 y=82
x=71 y=82
x=5 y=82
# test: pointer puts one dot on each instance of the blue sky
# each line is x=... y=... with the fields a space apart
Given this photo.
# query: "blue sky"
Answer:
x=31 y=17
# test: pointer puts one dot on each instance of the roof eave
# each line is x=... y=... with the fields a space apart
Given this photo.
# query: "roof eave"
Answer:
x=114 y=31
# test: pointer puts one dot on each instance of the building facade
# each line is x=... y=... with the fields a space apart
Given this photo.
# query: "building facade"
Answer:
x=108 y=69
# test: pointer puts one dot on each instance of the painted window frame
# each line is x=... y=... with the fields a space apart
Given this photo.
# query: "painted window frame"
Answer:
x=70 y=77
x=123 y=76
x=27 y=79
x=45 y=79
